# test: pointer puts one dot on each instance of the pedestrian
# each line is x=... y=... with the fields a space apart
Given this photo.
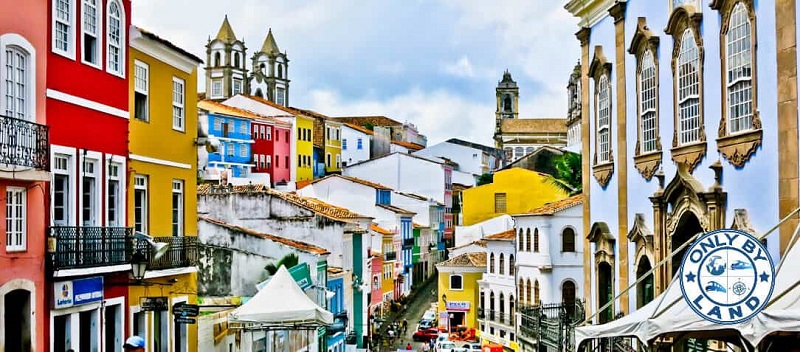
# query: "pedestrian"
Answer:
x=134 y=344
x=432 y=343
x=426 y=347
x=408 y=347
x=405 y=326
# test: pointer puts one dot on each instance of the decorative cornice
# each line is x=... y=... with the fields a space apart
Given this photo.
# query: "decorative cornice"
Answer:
x=617 y=11
x=681 y=14
x=643 y=37
x=599 y=62
x=690 y=154
x=583 y=35
x=648 y=164
x=738 y=148
x=602 y=173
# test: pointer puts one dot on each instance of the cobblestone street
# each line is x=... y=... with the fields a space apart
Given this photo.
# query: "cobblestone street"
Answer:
x=412 y=314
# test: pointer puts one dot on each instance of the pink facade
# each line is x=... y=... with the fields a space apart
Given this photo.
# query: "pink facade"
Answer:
x=377 y=293
x=283 y=151
x=24 y=172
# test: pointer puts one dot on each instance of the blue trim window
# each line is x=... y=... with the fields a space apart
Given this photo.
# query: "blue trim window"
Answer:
x=359 y=143
x=344 y=143
x=383 y=197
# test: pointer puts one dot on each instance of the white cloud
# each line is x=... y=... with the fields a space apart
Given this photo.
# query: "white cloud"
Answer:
x=460 y=68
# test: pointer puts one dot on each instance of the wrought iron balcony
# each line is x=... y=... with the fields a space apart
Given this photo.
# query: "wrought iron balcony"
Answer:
x=390 y=256
x=408 y=243
x=24 y=143
x=73 y=247
x=491 y=314
x=182 y=252
x=481 y=313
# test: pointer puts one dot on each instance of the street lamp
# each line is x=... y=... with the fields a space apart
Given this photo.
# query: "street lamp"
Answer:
x=139 y=259
x=138 y=265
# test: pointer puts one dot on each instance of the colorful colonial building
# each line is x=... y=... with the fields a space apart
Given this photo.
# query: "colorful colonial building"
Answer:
x=689 y=124
x=161 y=199
x=24 y=177
x=458 y=290
x=89 y=242
x=231 y=126
x=271 y=148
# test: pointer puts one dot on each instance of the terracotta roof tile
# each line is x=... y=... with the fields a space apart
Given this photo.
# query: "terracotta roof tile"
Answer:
x=219 y=108
x=555 y=125
x=303 y=184
x=509 y=234
x=311 y=113
x=473 y=260
x=479 y=243
x=274 y=105
x=360 y=129
x=372 y=120
x=321 y=208
x=169 y=44
x=335 y=270
x=374 y=227
x=409 y=145
x=395 y=209
x=303 y=246
x=557 y=206
x=418 y=226
x=355 y=180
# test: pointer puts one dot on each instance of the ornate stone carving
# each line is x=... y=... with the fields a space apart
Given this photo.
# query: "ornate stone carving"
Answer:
x=604 y=243
x=738 y=148
x=690 y=154
x=647 y=164
x=602 y=173
x=741 y=221
x=583 y=35
x=641 y=235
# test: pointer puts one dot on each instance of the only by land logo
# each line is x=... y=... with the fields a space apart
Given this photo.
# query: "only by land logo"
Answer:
x=727 y=276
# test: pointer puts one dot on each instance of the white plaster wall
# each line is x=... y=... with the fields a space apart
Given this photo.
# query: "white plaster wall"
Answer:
x=473 y=248
x=464 y=178
x=403 y=173
x=254 y=106
x=352 y=154
x=469 y=234
x=494 y=282
x=469 y=159
x=420 y=207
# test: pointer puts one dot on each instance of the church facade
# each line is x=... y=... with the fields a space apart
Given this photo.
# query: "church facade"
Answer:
x=519 y=137
x=227 y=73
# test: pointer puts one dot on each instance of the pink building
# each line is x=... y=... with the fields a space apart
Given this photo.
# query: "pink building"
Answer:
x=377 y=292
x=283 y=150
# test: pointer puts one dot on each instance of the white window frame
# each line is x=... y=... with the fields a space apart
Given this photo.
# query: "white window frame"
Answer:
x=217 y=123
x=237 y=86
x=70 y=205
x=215 y=84
x=98 y=51
x=450 y=282
x=243 y=150
x=742 y=83
x=243 y=127
x=268 y=161
x=338 y=161
x=75 y=335
x=131 y=323
x=16 y=223
x=648 y=105
x=140 y=182
x=122 y=43
x=603 y=120
x=687 y=89
x=229 y=150
x=116 y=301
x=117 y=161
x=19 y=42
x=280 y=96
x=178 y=188
x=268 y=132
x=95 y=159
x=178 y=104
x=70 y=52
x=141 y=88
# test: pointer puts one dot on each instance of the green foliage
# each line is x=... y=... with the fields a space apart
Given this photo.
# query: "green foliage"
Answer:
x=485 y=179
x=567 y=174
x=369 y=126
x=289 y=261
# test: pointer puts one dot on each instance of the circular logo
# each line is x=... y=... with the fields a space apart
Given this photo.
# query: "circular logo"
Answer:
x=727 y=276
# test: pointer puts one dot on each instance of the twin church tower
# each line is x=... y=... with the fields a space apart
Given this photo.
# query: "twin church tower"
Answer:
x=227 y=73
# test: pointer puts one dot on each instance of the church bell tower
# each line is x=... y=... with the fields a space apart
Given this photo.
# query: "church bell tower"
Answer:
x=226 y=72
x=507 y=94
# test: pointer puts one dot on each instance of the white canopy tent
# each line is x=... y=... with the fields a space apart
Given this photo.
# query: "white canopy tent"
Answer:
x=669 y=314
x=281 y=305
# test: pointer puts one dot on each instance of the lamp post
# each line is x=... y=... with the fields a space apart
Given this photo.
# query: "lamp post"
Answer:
x=138 y=265
x=446 y=312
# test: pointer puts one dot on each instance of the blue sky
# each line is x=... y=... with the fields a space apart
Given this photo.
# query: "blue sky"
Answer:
x=434 y=63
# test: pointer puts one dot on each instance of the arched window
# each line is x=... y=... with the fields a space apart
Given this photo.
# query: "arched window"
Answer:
x=19 y=79
x=217 y=58
x=568 y=240
x=528 y=295
x=502 y=264
x=536 y=298
x=262 y=68
x=280 y=71
x=502 y=305
x=521 y=290
x=511 y=307
x=568 y=292
x=536 y=240
x=739 y=70
x=603 y=120
x=688 y=90
x=116 y=38
x=482 y=302
x=491 y=301
x=519 y=152
x=520 y=240
x=507 y=107
x=647 y=103
x=528 y=239
x=511 y=264
x=491 y=263
x=236 y=60
x=528 y=150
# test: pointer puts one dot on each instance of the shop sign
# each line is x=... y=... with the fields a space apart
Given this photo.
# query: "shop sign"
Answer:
x=154 y=304
x=78 y=292
x=458 y=305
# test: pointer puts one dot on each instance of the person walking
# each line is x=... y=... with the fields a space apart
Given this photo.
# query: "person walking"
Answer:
x=405 y=326
x=425 y=347
x=408 y=347
x=134 y=344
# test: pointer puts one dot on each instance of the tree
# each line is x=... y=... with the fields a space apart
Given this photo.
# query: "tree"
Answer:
x=568 y=173
x=288 y=261
x=485 y=179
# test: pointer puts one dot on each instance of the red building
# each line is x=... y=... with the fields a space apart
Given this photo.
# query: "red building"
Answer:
x=24 y=175
x=87 y=108
x=272 y=147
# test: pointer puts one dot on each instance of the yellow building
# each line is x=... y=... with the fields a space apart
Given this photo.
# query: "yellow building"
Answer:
x=162 y=201
x=333 y=146
x=304 y=148
x=389 y=259
x=458 y=290
x=513 y=191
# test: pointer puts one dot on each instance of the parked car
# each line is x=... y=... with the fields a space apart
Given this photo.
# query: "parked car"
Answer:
x=429 y=315
x=473 y=347
x=459 y=349
x=425 y=324
x=445 y=346
x=425 y=335
x=443 y=336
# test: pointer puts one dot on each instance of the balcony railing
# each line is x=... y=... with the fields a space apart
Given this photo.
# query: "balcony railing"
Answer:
x=74 y=247
x=481 y=313
x=182 y=252
x=24 y=143
x=390 y=256
x=408 y=243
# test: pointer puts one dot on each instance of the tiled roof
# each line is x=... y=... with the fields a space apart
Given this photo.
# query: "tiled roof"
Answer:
x=380 y=230
x=408 y=145
x=509 y=234
x=219 y=108
x=395 y=209
x=272 y=104
x=554 y=125
x=355 y=180
x=310 y=113
x=321 y=208
x=373 y=120
x=360 y=129
x=418 y=226
x=335 y=270
x=554 y=207
x=303 y=184
x=167 y=43
x=473 y=260
x=479 y=243
x=303 y=246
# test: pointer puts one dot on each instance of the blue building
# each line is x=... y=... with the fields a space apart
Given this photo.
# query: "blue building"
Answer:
x=319 y=162
x=336 y=305
x=231 y=126
x=407 y=236
x=685 y=128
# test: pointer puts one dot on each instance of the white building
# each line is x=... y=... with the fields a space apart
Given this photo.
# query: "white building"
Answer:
x=472 y=247
x=475 y=232
x=356 y=144
x=472 y=158
x=497 y=290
